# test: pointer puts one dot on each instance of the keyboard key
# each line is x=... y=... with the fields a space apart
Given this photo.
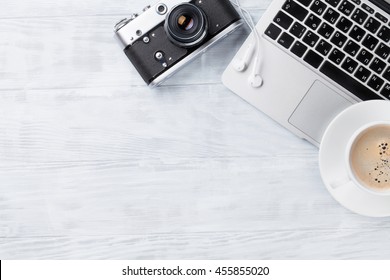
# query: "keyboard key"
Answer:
x=336 y=56
x=377 y=65
x=383 y=51
x=381 y=17
x=372 y=25
x=310 y=38
x=346 y=7
x=318 y=7
x=331 y=15
x=298 y=49
x=283 y=20
x=386 y=74
x=386 y=91
x=297 y=29
x=357 y=2
x=305 y=3
x=333 y=3
x=285 y=40
x=313 y=21
x=357 y=33
x=362 y=74
x=384 y=34
x=313 y=59
x=368 y=8
x=273 y=31
x=326 y=30
x=338 y=39
x=351 y=48
x=323 y=47
x=349 y=65
x=346 y=81
x=294 y=9
x=370 y=42
x=344 y=24
x=359 y=16
x=365 y=56
x=375 y=82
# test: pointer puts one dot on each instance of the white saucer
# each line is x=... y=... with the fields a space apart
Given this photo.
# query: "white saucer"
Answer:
x=332 y=158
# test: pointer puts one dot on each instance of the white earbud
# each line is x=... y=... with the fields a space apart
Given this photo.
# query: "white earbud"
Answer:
x=241 y=64
x=255 y=79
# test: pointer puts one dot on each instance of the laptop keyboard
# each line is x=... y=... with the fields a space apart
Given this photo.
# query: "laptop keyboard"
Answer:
x=347 y=41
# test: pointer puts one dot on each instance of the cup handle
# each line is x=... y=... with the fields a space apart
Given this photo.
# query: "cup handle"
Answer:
x=340 y=183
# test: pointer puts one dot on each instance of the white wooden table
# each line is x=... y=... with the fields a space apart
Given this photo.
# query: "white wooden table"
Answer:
x=94 y=165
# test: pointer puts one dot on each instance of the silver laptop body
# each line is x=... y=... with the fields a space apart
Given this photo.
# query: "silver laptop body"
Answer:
x=318 y=57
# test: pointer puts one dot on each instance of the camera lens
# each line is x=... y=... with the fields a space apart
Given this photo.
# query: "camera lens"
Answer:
x=186 y=25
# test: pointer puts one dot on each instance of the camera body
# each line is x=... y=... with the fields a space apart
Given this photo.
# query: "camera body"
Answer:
x=169 y=34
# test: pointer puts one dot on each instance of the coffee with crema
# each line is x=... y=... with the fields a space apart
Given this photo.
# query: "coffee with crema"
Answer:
x=370 y=157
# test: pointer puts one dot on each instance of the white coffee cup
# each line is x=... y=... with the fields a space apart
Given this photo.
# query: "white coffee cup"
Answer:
x=352 y=178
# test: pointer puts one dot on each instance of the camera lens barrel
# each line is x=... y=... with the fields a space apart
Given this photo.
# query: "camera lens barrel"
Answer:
x=186 y=25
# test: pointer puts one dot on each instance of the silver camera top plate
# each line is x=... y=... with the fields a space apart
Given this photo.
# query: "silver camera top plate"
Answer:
x=137 y=26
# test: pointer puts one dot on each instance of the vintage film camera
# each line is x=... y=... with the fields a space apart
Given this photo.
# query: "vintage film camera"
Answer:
x=171 y=33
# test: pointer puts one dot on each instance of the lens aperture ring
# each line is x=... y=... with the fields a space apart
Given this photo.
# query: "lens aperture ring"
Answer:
x=186 y=25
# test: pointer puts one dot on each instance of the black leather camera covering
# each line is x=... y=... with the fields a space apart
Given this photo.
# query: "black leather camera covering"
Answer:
x=220 y=14
x=143 y=55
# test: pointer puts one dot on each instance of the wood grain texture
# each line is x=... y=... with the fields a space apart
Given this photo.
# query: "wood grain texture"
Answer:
x=95 y=165
x=302 y=244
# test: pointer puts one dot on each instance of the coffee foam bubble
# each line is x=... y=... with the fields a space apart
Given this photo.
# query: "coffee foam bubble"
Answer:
x=370 y=157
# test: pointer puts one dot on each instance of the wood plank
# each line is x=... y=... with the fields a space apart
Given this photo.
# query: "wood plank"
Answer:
x=302 y=244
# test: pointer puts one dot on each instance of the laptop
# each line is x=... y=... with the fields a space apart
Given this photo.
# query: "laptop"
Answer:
x=317 y=58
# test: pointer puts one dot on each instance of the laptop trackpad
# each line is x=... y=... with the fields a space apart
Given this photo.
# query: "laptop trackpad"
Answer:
x=317 y=109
